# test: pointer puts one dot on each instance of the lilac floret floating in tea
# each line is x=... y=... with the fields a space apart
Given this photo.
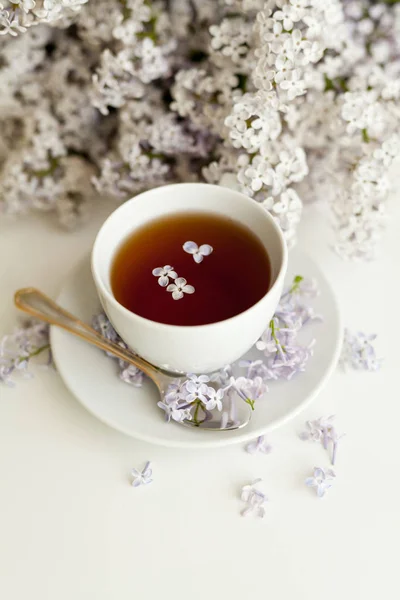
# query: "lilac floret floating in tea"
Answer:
x=215 y=270
x=164 y=274
x=198 y=252
x=179 y=288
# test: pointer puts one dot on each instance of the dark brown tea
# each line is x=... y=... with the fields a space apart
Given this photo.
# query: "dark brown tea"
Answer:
x=227 y=280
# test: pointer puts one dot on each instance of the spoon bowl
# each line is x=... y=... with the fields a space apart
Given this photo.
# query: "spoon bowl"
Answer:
x=37 y=304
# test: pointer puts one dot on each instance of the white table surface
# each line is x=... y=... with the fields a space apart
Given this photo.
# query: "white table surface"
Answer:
x=71 y=526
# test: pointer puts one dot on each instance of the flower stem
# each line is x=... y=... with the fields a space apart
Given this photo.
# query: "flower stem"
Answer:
x=273 y=335
x=250 y=402
x=196 y=413
x=296 y=284
x=325 y=440
x=333 y=459
x=35 y=352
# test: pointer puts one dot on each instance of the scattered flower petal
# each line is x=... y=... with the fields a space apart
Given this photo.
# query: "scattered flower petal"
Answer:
x=254 y=499
x=358 y=352
x=142 y=477
x=321 y=480
x=260 y=444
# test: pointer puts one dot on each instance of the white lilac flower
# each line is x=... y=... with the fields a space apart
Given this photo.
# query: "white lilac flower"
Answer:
x=254 y=499
x=227 y=95
x=164 y=274
x=179 y=288
x=26 y=5
x=260 y=444
x=198 y=252
x=321 y=480
x=142 y=477
x=358 y=352
x=294 y=85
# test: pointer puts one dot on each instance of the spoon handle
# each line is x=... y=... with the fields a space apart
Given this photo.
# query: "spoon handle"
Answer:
x=37 y=304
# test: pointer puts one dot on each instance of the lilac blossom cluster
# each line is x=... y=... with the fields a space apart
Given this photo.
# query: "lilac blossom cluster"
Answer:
x=19 y=348
x=283 y=356
x=286 y=100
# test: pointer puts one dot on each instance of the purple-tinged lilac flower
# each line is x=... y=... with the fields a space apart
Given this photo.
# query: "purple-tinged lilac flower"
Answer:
x=214 y=399
x=222 y=376
x=128 y=373
x=102 y=324
x=20 y=348
x=174 y=392
x=284 y=357
x=318 y=429
x=358 y=352
x=249 y=390
x=260 y=444
x=196 y=388
x=164 y=274
x=174 y=410
x=256 y=368
x=179 y=288
x=254 y=499
x=198 y=252
x=321 y=480
x=142 y=477
x=322 y=430
x=131 y=374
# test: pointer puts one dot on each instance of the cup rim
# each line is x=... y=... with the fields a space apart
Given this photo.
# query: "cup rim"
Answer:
x=167 y=326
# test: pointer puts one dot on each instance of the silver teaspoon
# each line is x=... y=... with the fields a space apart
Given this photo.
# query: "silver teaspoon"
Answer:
x=38 y=305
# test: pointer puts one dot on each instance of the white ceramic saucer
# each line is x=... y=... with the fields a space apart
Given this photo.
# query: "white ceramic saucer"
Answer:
x=93 y=377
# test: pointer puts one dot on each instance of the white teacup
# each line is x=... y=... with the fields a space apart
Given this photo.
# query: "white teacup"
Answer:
x=201 y=348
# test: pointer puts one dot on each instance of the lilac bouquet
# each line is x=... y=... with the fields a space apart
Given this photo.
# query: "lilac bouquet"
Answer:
x=286 y=100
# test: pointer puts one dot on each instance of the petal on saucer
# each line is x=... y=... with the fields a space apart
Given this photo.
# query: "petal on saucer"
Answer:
x=173 y=274
x=171 y=287
x=158 y=271
x=197 y=257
